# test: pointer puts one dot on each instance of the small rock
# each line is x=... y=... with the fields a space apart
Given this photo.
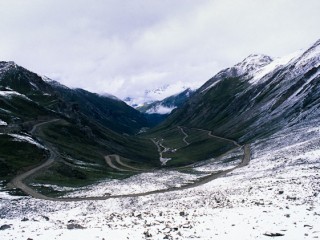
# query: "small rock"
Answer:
x=273 y=234
x=147 y=234
x=74 y=226
x=24 y=219
x=4 y=227
x=280 y=192
x=182 y=213
x=291 y=198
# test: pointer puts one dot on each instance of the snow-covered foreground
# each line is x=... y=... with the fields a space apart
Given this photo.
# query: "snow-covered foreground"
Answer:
x=277 y=194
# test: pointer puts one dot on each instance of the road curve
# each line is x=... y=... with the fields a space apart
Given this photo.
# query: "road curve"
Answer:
x=18 y=180
x=185 y=136
x=245 y=161
x=214 y=136
x=118 y=160
x=110 y=163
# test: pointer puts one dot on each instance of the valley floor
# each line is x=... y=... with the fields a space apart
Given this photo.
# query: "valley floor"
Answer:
x=277 y=194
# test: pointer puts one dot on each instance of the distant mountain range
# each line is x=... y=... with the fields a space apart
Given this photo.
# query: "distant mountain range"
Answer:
x=166 y=105
x=158 y=94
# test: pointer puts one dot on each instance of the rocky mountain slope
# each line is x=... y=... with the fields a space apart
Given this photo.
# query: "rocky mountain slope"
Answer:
x=256 y=97
x=108 y=111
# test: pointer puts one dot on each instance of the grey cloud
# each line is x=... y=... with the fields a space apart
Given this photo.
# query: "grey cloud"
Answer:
x=123 y=47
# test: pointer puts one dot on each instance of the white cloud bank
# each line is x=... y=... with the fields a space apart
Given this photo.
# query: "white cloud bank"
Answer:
x=125 y=47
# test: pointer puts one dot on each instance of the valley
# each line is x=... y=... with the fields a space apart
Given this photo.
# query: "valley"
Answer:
x=115 y=162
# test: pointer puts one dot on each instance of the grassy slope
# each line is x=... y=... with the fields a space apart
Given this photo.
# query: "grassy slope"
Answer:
x=201 y=146
x=17 y=156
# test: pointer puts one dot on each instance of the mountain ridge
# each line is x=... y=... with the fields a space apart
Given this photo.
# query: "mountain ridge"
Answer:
x=232 y=106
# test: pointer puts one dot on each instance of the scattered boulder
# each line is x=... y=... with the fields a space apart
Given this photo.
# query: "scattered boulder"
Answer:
x=273 y=234
x=4 y=227
x=74 y=226
x=182 y=214
x=147 y=234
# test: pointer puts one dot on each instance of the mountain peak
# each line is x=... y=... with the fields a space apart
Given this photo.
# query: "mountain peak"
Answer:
x=308 y=60
x=253 y=62
x=313 y=51
x=7 y=65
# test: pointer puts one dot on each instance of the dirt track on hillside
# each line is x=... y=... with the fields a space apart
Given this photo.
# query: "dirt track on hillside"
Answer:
x=18 y=181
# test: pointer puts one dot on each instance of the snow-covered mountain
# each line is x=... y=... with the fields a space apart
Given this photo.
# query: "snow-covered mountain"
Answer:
x=257 y=96
x=168 y=104
x=160 y=93
x=265 y=186
x=106 y=109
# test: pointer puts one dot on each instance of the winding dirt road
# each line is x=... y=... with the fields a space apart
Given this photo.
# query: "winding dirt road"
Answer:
x=185 y=136
x=18 y=180
x=118 y=160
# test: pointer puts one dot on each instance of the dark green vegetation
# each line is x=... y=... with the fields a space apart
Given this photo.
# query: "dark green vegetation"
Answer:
x=172 y=138
x=18 y=156
x=197 y=145
x=90 y=127
x=74 y=103
x=212 y=108
x=237 y=109
x=82 y=152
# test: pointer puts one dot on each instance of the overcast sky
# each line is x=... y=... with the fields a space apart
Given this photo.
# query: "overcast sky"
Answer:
x=124 y=47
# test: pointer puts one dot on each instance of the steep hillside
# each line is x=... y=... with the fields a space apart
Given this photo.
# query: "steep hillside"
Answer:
x=76 y=130
x=256 y=97
x=110 y=112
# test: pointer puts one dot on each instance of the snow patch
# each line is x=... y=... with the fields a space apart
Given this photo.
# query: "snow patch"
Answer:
x=276 y=63
x=24 y=138
x=3 y=123
x=252 y=63
x=160 y=93
x=9 y=94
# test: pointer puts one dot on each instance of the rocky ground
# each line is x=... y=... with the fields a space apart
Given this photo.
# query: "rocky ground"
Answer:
x=277 y=195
